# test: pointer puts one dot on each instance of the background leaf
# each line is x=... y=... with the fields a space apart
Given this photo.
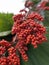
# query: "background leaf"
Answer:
x=6 y=23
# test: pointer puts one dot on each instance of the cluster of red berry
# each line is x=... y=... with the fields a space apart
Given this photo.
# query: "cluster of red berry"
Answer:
x=21 y=47
x=3 y=61
x=13 y=58
x=43 y=6
x=35 y=15
x=29 y=30
x=8 y=54
x=26 y=30
x=46 y=8
x=2 y=50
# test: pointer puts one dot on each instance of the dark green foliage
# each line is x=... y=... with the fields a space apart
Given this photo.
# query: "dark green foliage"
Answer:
x=46 y=21
x=36 y=1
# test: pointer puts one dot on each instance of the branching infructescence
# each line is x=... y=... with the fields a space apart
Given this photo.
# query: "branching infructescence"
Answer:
x=26 y=30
